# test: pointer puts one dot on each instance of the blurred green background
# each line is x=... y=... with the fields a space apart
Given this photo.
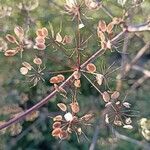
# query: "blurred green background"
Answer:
x=36 y=135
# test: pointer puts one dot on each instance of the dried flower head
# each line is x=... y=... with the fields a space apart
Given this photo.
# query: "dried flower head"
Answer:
x=65 y=124
x=115 y=112
x=36 y=73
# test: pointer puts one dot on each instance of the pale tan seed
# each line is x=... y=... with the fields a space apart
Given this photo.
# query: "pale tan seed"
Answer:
x=10 y=38
x=10 y=53
x=99 y=79
x=62 y=106
x=24 y=70
x=27 y=65
x=115 y=95
x=106 y=96
x=37 y=61
x=57 y=118
x=58 y=37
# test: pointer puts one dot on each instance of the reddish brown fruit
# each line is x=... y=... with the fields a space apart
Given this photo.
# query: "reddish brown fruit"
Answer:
x=56 y=125
x=75 y=107
x=64 y=135
x=102 y=25
x=60 y=77
x=56 y=132
x=91 y=68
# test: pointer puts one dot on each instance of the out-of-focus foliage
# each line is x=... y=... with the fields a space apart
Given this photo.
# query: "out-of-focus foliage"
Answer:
x=145 y=126
x=16 y=93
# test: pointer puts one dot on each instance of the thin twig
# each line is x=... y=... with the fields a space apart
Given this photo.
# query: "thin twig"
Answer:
x=144 y=71
x=107 y=11
x=78 y=41
x=139 y=82
x=140 y=53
